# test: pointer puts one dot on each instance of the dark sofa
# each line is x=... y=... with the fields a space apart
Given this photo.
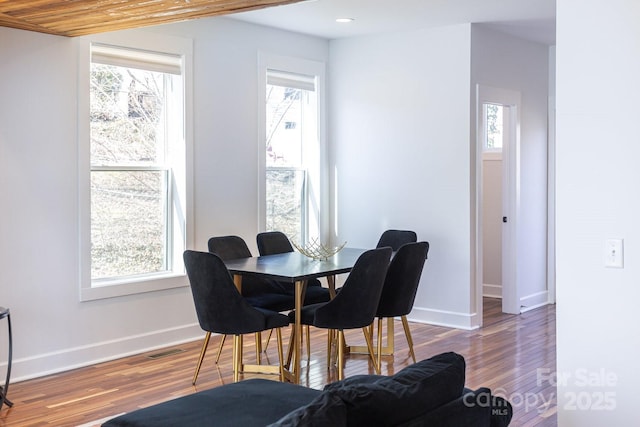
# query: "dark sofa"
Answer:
x=428 y=393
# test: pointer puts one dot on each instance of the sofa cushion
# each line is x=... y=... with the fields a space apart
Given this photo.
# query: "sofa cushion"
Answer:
x=249 y=403
x=413 y=391
x=325 y=410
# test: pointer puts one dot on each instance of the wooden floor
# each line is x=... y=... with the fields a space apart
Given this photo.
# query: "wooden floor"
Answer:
x=512 y=355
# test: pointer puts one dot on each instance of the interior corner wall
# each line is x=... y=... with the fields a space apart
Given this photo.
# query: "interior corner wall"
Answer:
x=598 y=64
x=503 y=61
x=39 y=249
x=399 y=120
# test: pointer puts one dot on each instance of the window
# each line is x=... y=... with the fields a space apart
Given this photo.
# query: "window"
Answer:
x=493 y=116
x=137 y=219
x=291 y=154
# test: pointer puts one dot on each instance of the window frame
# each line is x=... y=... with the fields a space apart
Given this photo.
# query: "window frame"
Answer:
x=142 y=41
x=303 y=67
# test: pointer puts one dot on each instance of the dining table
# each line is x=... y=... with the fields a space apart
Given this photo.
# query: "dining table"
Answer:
x=297 y=269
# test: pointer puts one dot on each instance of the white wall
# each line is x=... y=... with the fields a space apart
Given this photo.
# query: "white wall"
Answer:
x=503 y=61
x=39 y=237
x=598 y=64
x=399 y=132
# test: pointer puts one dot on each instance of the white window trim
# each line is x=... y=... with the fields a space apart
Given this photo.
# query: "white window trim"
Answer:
x=147 y=283
x=304 y=67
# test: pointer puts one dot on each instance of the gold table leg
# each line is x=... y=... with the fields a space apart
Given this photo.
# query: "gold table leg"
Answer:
x=297 y=335
x=331 y=281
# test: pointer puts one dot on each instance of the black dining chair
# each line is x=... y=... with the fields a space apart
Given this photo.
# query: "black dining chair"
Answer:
x=354 y=306
x=396 y=238
x=221 y=309
x=400 y=288
x=259 y=293
x=273 y=242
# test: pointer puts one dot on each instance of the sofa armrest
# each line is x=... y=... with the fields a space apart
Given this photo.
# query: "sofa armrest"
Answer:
x=475 y=408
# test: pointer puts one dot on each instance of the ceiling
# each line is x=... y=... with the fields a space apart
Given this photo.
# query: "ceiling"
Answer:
x=529 y=19
x=82 y=17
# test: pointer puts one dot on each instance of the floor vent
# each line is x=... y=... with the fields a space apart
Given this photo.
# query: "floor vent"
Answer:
x=165 y=353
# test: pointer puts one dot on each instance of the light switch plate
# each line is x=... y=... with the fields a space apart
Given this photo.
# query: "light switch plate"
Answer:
x=614 y=253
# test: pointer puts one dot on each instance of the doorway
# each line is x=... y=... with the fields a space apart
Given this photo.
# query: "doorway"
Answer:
x=497 y=177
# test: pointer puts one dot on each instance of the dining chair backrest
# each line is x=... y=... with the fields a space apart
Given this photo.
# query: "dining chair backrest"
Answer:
x=396 y=238
x=229 y=247
x=219 y=306
x=402 y=280
x=356 y=304
x=273 y=242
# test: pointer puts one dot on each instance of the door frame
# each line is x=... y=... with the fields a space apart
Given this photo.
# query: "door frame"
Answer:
x=510 y=198
x=551 y=202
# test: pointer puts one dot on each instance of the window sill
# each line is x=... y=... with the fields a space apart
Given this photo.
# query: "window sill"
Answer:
x=124 y=287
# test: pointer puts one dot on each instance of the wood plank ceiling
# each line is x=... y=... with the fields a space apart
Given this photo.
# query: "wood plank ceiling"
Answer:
x=81 y=17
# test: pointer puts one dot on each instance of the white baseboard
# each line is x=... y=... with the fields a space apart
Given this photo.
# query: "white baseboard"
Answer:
x=491 y=291
x=78 y=357
x=534 y=301
x=447 y=319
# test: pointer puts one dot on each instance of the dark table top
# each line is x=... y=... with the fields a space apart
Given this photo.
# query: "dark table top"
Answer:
x=293 y=266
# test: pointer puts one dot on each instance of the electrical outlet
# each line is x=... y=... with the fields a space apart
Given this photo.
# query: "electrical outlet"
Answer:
x=614 y=253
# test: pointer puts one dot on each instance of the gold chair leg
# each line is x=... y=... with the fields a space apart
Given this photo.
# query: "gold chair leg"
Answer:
x=407 y=332
x=236 y=349
x=329 y=342
x=224 y=337
x=340 y=355
x=372 y=355
x=237 y=357
x=266 y=343
x=258 y=348
x=280 y=352
x=335 y=342
x=379 y=342
x=205 y=344
x=291 y=344
x=290 y=349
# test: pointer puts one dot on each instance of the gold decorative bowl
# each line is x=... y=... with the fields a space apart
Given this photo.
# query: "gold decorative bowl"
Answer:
x=317 y=250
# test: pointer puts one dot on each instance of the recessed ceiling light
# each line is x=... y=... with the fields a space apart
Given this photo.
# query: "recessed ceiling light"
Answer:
x=344 y=20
